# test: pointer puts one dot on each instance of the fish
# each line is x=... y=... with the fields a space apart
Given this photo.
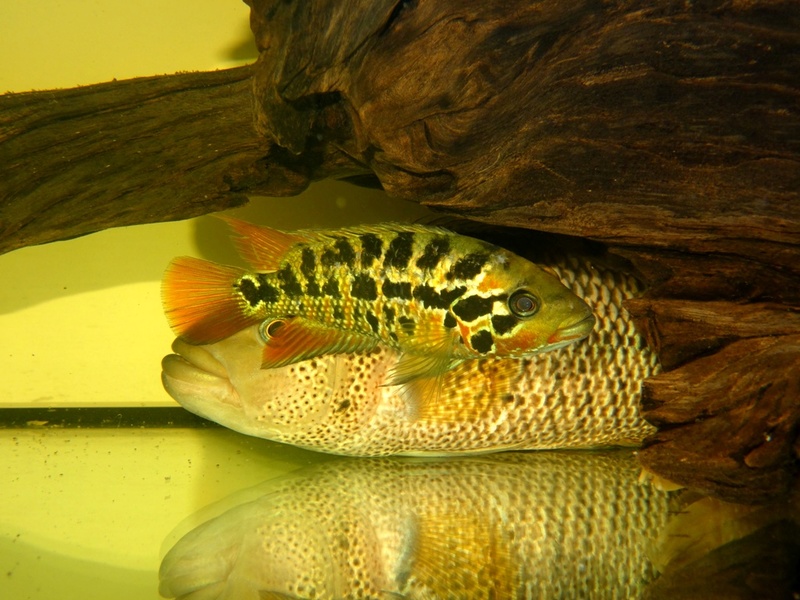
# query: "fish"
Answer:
x=580 y=396
x=434 y=297
x=518 y=525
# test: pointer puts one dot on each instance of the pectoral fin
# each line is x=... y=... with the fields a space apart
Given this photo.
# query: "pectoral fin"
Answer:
x=467 y=542
x=427 y=357
x=420 y=379
x=464 y=393
x=411 y=367
x=289 y=340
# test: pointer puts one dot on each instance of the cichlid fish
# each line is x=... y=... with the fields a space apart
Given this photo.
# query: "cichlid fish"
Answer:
x=435 y=297
x=520 y=525
x=582 y=395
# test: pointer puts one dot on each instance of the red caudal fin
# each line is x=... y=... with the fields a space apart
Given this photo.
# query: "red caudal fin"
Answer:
x=262 y=247
x=200 y=302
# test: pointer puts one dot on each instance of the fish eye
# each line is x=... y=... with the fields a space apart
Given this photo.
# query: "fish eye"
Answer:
x=523 y=304
x=270 y=328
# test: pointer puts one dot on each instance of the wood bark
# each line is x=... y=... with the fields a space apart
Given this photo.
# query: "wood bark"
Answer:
x=669 y=131
x=122 y=153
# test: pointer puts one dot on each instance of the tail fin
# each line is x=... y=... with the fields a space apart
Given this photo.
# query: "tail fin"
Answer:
x=200 y=302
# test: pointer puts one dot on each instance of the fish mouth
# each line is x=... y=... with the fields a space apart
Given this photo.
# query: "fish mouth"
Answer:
x=194 y=378
x=573 y=332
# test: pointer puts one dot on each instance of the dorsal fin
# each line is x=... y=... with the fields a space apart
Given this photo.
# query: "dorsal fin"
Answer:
x=262 y=247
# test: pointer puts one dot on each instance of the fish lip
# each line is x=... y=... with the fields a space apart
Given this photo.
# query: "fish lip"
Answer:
x=574 y=331
x=200 y=358
x=195 y=378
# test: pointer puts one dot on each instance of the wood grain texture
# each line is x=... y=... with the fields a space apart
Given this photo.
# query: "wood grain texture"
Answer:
x=607 y=120
x=121 y=153
x=669 y=131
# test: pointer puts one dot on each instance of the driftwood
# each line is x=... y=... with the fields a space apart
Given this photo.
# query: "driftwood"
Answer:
x=150 y=149
x=669 y=131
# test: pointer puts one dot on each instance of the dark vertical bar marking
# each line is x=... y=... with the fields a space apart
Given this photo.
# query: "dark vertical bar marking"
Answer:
x=482 y=341
x=371 y=249
x=364 y=287
x=289 y=283
x=398 y=254
x=435 y=251
x=470 y=265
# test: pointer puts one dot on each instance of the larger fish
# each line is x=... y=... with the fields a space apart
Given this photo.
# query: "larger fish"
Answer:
x=435 y=297
x=582 y=395
x=541 y=525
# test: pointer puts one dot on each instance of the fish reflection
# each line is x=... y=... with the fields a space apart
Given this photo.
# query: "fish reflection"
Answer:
x=541 y=525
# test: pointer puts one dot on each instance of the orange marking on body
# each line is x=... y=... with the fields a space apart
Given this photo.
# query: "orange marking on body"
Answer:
x=465 y=333
x=490 y=283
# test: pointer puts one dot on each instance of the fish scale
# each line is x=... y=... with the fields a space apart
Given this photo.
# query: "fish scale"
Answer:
x=437 y=297
x=412 y=270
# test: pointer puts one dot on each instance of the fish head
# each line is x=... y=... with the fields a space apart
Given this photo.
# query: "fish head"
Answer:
x=264 y=548
x=224 y=382
x=533 y=310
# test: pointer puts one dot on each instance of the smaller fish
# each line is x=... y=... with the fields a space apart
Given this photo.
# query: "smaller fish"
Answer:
x=435 y=297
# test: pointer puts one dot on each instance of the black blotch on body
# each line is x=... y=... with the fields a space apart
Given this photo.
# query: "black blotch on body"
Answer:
x=343 y=405
x=373 y=321
x=289 y=283
x=407 y=325
x=430 y=298
x=364 y=287
x=308 y=262
x=312 y=288
x=308 y=265
x=449 y=320
x=399 y=289
x=434 y=252
x=249 y=291
x=346 y=253
x=388 y=313
x=469 y=266
x=482 y=341
x=328 y=258
x=338 y=313
x=254 y=293
x=342 y=253
x=502 y=324
x=472 y=307
x=399 y=251
x=371 y=249
x=331 y=288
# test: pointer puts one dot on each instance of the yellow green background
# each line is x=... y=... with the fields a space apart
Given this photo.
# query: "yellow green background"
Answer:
x=87 y=513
